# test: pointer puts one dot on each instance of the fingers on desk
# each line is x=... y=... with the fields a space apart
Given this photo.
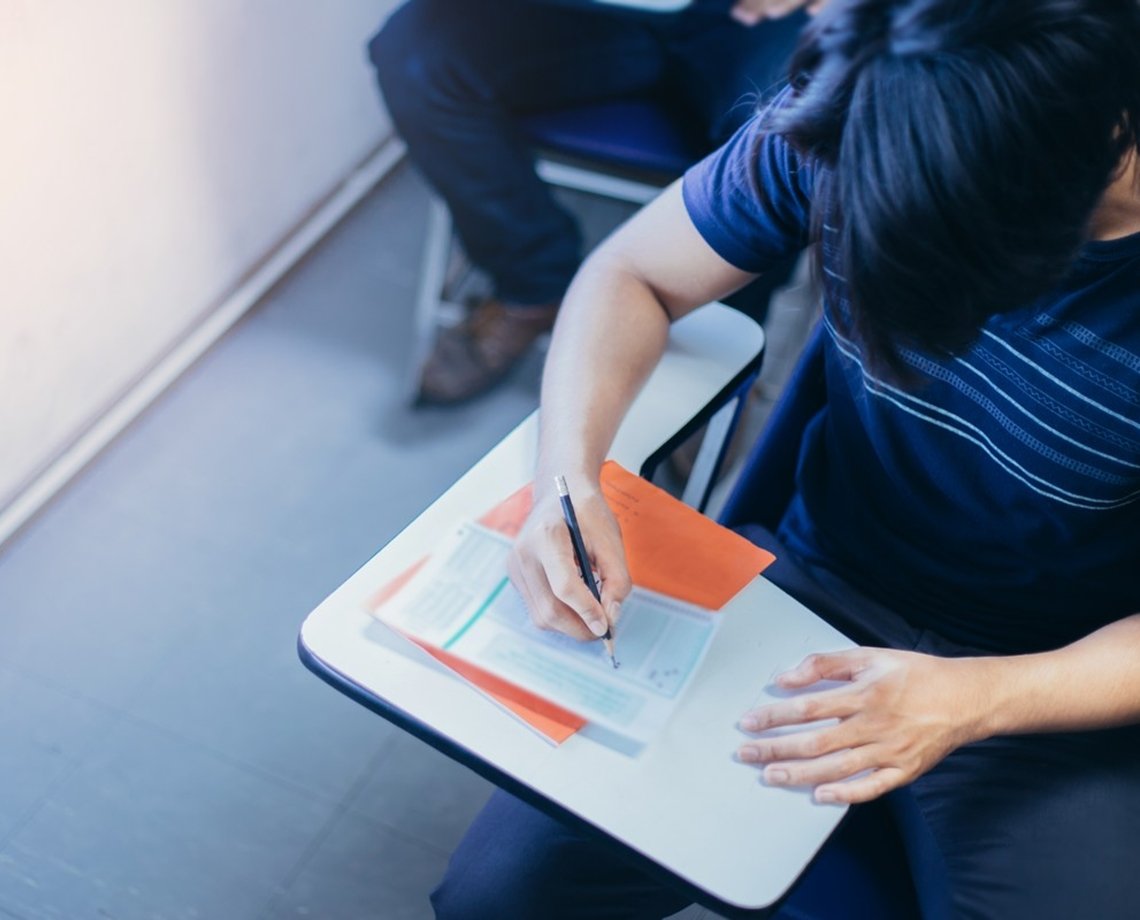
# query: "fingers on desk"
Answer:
x=545 y=570
x=547 y=609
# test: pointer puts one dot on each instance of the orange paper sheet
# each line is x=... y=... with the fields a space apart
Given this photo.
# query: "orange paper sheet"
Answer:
x=670 y=548
x=674 y=549
x=543 y=716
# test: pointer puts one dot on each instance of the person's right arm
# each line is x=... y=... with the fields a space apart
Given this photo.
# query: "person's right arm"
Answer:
x=611 y=332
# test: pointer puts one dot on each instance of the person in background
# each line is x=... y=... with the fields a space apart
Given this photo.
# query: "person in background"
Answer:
x=456 y=75
x=967 y=501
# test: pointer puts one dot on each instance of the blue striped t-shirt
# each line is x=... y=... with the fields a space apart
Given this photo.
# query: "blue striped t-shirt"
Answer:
x=995 y=499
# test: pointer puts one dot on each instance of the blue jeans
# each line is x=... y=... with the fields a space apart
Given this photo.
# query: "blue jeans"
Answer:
x=457 y=73
x=1039 y=826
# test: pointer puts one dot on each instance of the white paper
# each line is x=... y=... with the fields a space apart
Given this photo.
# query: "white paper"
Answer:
x=463 y=602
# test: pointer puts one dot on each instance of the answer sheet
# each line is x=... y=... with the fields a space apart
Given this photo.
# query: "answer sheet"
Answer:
x=462 y=601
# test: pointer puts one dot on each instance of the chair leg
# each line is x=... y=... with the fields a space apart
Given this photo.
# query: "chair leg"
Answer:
x=710 y=456
x=433 y=304
x=433 y=275
x=564 y=175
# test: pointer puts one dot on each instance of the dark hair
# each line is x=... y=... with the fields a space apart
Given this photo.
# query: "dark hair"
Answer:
x=961 y=147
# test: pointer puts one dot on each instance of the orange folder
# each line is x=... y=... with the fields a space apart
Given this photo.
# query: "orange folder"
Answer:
x=670 y=548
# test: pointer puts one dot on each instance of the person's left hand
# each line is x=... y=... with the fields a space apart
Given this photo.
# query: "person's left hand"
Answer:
x=750 y=12
x=898 y=715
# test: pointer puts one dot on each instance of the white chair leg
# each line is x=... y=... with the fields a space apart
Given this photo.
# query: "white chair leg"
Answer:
x=709 y=456
x=433 y=306
x=433 y=273
x=580 y=179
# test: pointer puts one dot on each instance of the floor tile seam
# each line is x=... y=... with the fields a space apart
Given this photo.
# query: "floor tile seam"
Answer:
x=351 y=798
x=138 y=688
x=382 y=754
x=403 y=834
x=367 y=770
x=74 y=765
x=8 y=913
x=353 y=794
x=323 y=833
x=150 y=675
x=290 y=876
x=53 y=683
x=357 y=811
x=8 y=838
x=7 y=842
x=135 y=689
x=282 y=782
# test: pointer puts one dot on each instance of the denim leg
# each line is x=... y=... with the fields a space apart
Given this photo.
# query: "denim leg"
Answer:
x=519 y=863
x=455 y=75
x=1040 y=826
x=719 y=70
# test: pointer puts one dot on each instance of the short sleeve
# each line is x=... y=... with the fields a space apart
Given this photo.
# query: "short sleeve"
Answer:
x=751 y=199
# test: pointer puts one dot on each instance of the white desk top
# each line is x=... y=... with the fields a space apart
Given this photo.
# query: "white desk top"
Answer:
x=683 y=801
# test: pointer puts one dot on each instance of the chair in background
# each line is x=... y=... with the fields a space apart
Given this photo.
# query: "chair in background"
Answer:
x=861 y=873
x=627 y=150
x=767 y=479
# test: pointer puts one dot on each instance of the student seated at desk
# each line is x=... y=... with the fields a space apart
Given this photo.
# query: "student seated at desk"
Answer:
x=968 y=501
x=457 y=75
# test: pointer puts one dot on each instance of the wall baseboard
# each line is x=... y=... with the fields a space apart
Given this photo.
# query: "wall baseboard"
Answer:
x=39 y=490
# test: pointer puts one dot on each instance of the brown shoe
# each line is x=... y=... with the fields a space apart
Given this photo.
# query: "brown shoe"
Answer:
x=475 y=355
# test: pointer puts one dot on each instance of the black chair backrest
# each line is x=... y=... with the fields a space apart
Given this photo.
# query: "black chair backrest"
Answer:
x=768 y=477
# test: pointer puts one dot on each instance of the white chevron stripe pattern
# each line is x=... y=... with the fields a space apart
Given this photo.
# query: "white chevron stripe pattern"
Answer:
x=1064 y=444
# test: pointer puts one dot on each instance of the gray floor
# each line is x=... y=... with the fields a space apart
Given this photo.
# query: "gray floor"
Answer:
x=163 y=753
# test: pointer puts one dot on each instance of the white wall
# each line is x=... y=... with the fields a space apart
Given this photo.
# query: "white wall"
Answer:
x=151 y=152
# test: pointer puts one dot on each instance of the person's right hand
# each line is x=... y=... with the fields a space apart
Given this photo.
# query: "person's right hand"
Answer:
x=543 y=569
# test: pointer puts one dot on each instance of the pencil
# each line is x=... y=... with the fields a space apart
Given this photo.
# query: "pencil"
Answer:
x=582 y=557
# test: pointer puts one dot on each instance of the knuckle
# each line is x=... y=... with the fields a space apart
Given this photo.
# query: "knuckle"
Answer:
x=911 y=764
x=542 y=619
x=563 y=585
x=620 y=583
x=871 y=698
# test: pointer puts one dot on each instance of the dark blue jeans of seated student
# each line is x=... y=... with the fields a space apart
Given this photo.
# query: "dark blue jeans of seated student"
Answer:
x=1035 y=827
x=456 y=74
